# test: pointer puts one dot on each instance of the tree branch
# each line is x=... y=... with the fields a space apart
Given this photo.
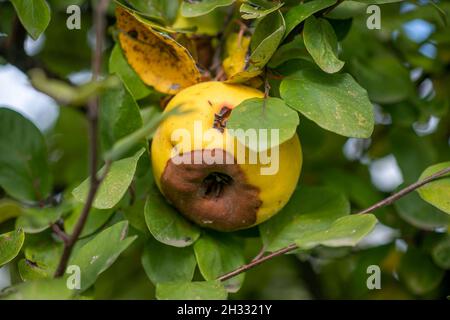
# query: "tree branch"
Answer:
x=95 y=181
x=405 y=191
x=259 y=259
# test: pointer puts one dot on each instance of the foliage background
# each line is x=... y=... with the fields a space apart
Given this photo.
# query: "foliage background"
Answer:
x=405 y=69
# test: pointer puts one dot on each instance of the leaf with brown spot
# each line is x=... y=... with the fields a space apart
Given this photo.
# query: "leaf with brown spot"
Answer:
x=236 y=63
x=157 y=58
x=264 y=42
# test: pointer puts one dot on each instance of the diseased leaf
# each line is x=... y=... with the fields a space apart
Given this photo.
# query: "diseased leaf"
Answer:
x=42 y=254
x=164 y=263
x=205 y=290
x=237 y=52
x=31 y=271
x=301 y=12
x=217 y=254
x=321 y=42
x=264 y=42
x=201 y=7
x=34 y=15
x=158 y=59
x=166 y=224
x=99 y=253
x=10 y=245
x=334 y=101
x=24 y=172
x=437 y=192
x=263 y=114
x=115 y=184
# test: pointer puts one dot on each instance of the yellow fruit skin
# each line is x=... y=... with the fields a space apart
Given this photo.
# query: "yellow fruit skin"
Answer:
x=204 y=100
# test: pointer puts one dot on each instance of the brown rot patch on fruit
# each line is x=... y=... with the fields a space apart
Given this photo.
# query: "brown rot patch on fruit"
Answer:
x=215 y=196
x=220 y=118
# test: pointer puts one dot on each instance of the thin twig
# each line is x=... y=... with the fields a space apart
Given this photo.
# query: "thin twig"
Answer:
x=256 y=262
x=260 y=254
x=260 y=258
x=60 y=233
x=99 y=21
x=405 y=191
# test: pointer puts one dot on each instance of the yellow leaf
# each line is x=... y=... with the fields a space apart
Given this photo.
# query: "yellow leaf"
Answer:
x=157 y=58
x=236 y=63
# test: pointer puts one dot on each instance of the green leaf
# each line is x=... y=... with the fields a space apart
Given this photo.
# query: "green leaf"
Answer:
x=205 y=290
x=42 y=254
x=334 y=101
x=441 y=253
x=65 y=59
x=164 y=263
x=378 y=1
x=418 y=272
x=9 y=209
x=201 y=7
x=166 y=224
x=345 y=231
x=268 y=35
x=420 y=214
x=267 y=114
x=301 y=12
x=347 y=9
x=67 y=94
x=255 y=9
x=441 y=12
x=413 y=153
x=10 y=245
x=119 y=65
x=24 y=172
x=119 y=117
x=311 y=210
x=161 y=10
x=128 y=142
x=115 y=184
x=437 y=192
x=217 y=254
x=68 y=143
x=34 y=220
x=30 y=271
x=96 y=219
x=384 y=77
x=54 y=289
x=290 y=51
x=135 y=216
x=321 y=43
x=99 y=254
x=34 y=15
